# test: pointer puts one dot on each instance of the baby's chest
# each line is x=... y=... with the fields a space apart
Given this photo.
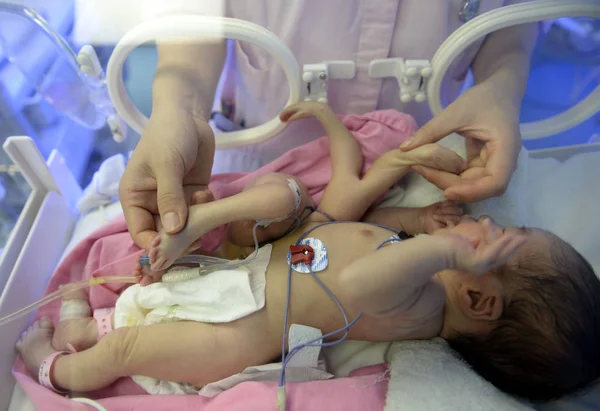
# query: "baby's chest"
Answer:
x=346 y=243
x=328 y=249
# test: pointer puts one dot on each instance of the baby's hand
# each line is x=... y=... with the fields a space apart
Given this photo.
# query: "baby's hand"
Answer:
x=445 y=214
x=304 y=109
x=491 y=252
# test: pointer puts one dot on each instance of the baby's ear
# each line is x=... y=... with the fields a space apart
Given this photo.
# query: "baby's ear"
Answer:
x=481 y=302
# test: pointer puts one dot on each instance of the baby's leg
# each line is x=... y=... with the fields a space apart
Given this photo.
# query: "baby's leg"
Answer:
x=75 y=331
x=186 y=352
x=273 y=199
x=240 y=232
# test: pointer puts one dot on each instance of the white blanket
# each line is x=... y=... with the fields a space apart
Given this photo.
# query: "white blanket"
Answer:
x=428 y=375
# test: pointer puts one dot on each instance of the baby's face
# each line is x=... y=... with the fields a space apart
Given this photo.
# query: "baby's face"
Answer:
x=536 y=240
x=476 y=232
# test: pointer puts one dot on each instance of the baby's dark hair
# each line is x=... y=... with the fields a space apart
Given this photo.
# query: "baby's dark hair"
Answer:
x=545 y=344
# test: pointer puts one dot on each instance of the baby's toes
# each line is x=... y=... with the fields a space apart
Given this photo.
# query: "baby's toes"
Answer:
x=157 y=240
x=146 y=280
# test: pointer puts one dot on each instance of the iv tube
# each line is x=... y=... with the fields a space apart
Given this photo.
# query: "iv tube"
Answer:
x=65 y=290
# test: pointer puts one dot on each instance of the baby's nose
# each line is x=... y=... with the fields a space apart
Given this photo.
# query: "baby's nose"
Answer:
x=489 y=220
x=493 y=225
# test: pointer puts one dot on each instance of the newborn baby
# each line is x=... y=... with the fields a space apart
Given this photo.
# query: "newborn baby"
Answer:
x=520 y=304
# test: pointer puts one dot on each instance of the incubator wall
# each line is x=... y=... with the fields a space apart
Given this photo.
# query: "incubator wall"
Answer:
x=25 y=111
x=565 y=68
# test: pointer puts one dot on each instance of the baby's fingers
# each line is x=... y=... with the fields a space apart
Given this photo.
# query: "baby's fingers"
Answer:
x=499 y=251
x=445 y=218
x=451 y=210
x=513 y=244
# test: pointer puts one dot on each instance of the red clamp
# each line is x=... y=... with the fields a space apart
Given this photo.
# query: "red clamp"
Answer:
x=301 y=254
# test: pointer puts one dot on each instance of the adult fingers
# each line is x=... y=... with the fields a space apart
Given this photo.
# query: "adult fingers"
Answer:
x=439 y=178
x=433 y=131
x=479 y=188
x=445 y=159
x=499 y=167
x=172 y=205
x=140 y=223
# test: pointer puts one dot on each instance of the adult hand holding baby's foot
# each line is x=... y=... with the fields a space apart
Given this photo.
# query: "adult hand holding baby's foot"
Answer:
x=145 y=276
x=481 y=256
x=435 y=156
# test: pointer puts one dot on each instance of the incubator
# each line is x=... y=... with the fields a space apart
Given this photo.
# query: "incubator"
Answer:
x=78 y=87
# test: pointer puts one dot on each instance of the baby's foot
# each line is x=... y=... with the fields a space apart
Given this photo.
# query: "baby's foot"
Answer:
x=77 y=333
x=166 y=248
x=35 y=344
x=145 y=275
x=78 y=294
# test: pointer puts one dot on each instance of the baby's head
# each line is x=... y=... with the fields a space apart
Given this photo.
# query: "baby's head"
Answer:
x=532 y=326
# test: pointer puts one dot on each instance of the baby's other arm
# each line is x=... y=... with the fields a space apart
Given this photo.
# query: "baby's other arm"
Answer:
x=346 y=156
x=393 y=165
x=417 y=220
x=392 y=279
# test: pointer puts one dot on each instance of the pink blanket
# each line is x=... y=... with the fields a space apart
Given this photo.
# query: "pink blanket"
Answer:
x=110 y=251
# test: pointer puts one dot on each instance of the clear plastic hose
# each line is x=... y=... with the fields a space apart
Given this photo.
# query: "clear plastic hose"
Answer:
x=65 y=290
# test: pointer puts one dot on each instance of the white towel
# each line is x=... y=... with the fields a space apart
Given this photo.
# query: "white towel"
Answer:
x=104 y=188
x=428 y=375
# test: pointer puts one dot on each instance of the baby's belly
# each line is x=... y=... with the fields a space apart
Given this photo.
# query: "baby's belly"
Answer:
x=310 y=304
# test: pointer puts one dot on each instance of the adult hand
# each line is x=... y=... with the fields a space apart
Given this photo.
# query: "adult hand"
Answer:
x=489 y=120
x=168 y=171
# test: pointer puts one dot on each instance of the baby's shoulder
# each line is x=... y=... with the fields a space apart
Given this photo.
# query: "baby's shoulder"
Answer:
x=421 y=316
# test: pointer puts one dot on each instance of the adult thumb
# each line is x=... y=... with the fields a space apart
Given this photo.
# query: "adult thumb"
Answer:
x=170 y=198
x=433 y=131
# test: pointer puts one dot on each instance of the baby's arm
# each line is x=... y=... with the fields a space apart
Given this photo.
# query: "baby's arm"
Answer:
x=417 y=220
x=393 y=165
x=392 y=279
x=347 y=196
x=340 y=198
x=389 y=280
x=346 y=156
